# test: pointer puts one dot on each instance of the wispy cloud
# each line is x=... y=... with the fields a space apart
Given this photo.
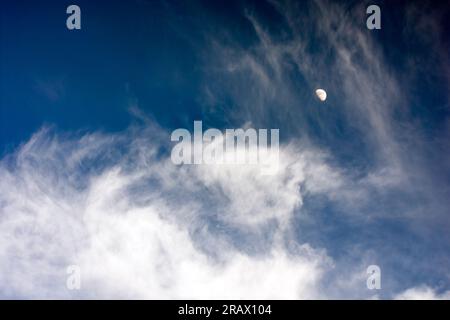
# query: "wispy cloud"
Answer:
x=393 y=174
x=139 y=226
x=422 y=293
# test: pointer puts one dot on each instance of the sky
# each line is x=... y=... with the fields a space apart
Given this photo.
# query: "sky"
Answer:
x=86 y=177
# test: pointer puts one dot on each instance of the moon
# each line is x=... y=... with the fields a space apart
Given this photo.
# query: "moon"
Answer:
x=321 y=94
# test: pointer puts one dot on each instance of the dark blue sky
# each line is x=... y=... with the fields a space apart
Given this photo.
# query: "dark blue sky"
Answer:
x=154 y=54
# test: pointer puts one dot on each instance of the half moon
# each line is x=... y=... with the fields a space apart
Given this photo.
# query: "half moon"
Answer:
x=321 y=94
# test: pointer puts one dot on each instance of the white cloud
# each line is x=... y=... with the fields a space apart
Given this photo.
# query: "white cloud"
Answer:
x=141 y=227
x=422 y=293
